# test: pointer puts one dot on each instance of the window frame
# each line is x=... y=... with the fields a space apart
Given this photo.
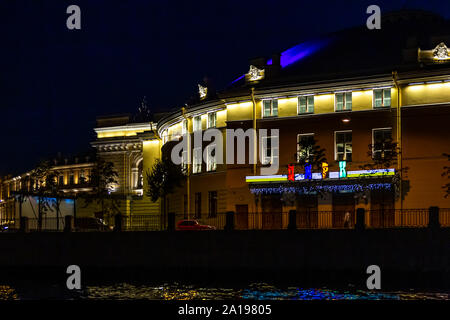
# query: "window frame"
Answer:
x=298 y=141
x=212 y=199
x=336 y=158
x=265 y=148
x=197 y=162
x=184 y=127
x=198 y=205
x=373 y=137
x=272 y=115
x=344 y=101
x=211 y=159
x=208 y=124
x=382 y=98
x=306 y=96
x=197 y=126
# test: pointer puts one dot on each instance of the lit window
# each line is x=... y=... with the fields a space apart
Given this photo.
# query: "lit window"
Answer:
x=165 y=136
x=343 y=101
x=305 y=143
x=197 y=163
x=381 y=143
x=211 y=164
x=270 y=150
x=184 y=161
x=305 y=104
x=343 y=146
x=270 y=108
x=381 y=98
x=184 y=127
x=197 y=123
x=212 y=118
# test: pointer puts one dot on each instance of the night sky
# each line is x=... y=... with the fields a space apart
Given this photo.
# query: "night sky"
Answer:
x=54 y=82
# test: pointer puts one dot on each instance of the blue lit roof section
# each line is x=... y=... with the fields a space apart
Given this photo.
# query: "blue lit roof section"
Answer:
x=301 y=51
x=297 y=53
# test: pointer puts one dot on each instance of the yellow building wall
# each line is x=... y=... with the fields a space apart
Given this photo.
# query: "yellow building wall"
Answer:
x=221 y=118
x=119 y=133
x=287 y=107
x=240 y=111
x=362 y=100
x=426 y=94
x=394 y=98
x=151 y=151
x=324 y=103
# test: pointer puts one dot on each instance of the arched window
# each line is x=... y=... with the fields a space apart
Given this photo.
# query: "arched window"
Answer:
x=140 y=176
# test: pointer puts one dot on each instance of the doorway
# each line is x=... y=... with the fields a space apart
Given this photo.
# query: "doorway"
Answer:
x=343 y=203
x=242 y=216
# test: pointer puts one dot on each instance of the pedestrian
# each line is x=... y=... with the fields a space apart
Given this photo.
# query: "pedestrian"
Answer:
x=347 y=220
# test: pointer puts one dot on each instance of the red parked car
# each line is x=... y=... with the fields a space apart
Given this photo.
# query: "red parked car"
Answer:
x=193 y=225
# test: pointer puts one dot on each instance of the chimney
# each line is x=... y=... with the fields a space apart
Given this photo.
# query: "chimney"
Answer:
x=276 y=60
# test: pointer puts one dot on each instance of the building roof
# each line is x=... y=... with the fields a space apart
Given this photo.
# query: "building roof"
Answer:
x=355 y=52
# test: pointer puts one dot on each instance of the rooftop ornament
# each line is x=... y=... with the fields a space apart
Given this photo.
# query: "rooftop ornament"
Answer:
x=202 y=91
x=441 y=52
x=255 y=74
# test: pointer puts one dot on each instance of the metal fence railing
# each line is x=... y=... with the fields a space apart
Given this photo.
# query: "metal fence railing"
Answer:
x=47 y=224
x=304 y=219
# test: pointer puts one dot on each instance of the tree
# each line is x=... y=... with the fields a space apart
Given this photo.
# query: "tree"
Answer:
x=102 y=180
x=162 y=180
x=384 y=153
x=310 y=153
x=44 y=186
x=446 y=173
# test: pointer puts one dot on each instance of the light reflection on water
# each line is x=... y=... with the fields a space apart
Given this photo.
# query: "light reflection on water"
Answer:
x=175 y=291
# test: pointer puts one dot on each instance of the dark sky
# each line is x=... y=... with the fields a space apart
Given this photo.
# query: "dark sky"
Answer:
x=55 y=81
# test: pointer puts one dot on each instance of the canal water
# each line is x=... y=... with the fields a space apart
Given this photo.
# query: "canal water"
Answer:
x=179 y=291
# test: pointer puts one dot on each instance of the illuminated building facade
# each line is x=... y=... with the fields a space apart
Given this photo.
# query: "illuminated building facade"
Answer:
x=347 y=91
x=73 y=178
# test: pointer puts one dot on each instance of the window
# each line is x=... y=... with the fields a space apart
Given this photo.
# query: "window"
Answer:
x=381 y=143
x=270 y=108
x=212 y=118
x=381 y=98
x=211 y=158
x=343 y=101
x=305 y=104
x=184 y=161
x=197 y=165
x=140 y=177
x=184 y=127
x=197 y=123
x=343 y=146
x=71 y=179
x=304 y=140
x=270 y=150
x=212 y=203
x=165 y=136
x=61 y=180
x=82 y=178
x=198 y=205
